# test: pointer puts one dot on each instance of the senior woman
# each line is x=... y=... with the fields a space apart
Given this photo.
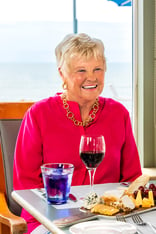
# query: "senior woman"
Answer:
x=51 y=128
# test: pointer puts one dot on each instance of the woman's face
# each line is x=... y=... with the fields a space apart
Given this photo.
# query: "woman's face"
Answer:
x=84 y=79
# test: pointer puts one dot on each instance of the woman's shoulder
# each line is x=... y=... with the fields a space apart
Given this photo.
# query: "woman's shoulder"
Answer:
x=44 y=105
x=113 y=105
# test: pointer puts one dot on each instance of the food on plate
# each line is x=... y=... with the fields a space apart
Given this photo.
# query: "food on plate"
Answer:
x=112 y=196
x=128 y=203
x=138 y=200
x=104 y=209
x=91 y=200
x=151 y=197
x=144 y=202
x=145 y=190
x=137 y=195
x=140 y=181
x=118 y=199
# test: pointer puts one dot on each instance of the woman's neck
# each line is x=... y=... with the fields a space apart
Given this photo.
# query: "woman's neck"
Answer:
x=85 y=109
x=84 y=105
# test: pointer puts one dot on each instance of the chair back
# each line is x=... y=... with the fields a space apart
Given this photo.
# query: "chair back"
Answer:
x=10 y=121
x=8 y=135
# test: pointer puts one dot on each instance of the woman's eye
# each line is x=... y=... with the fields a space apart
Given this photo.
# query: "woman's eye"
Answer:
x=98 y=69
x=81 y=70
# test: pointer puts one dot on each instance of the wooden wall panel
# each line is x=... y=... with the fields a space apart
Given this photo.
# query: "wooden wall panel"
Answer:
x=13 y=110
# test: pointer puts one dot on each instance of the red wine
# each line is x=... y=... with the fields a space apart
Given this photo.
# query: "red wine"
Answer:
x=90 y=159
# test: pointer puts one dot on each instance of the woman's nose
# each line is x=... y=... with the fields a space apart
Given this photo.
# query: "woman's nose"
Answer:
x=91 y=76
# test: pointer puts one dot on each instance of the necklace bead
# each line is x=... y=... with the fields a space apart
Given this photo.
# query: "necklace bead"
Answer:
x=70 y=115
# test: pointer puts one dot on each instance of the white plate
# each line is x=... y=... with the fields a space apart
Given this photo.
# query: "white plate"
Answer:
x=103 y=227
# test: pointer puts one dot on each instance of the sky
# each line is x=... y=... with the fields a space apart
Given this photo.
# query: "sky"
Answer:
x=57 y=10
x=27 y=29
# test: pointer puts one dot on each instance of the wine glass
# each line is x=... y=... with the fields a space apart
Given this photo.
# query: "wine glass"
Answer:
x=92 y=151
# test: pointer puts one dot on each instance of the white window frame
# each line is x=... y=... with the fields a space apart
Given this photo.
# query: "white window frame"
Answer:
x=143 y=80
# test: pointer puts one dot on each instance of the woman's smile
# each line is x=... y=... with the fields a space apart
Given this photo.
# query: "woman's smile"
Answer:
x=88 y=87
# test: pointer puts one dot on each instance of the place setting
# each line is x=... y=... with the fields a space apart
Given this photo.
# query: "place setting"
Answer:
x=105 y=212
x=115 y=205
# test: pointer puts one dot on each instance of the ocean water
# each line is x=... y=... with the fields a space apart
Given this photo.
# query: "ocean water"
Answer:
x=27 y=70
x=34 y=81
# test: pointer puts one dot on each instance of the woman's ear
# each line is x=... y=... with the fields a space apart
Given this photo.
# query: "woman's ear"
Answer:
x=63 y=78
x=60 y=72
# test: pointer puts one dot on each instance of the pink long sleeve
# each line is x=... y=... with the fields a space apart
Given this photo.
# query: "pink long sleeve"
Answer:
x=47 y=135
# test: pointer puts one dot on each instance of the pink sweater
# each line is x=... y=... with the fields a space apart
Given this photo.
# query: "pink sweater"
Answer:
x=47 y=135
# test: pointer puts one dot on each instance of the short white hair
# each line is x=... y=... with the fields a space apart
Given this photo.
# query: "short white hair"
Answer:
x=78 y=45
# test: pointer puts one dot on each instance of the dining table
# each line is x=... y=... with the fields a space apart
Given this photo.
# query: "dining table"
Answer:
x=59 y=219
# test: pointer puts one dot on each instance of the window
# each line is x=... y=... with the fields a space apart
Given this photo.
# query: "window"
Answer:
x=144 y=78
x=30 y=30
x=113 y=24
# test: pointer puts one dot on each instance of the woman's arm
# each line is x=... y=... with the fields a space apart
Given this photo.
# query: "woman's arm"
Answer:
x=28 y=154
x=130 y=162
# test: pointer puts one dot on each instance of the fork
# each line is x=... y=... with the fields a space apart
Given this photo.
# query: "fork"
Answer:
x=120 y=218
x=138 y=220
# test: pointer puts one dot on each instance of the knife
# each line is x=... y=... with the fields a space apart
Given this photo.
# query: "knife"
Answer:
x=73 y=219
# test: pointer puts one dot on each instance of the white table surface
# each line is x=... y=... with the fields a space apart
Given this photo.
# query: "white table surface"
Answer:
x=46 y=213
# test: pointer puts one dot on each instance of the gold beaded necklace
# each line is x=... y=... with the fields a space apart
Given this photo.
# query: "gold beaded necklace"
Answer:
x=70 y=115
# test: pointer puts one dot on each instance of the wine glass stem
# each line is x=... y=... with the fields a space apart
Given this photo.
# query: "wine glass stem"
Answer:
x=91 y=177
